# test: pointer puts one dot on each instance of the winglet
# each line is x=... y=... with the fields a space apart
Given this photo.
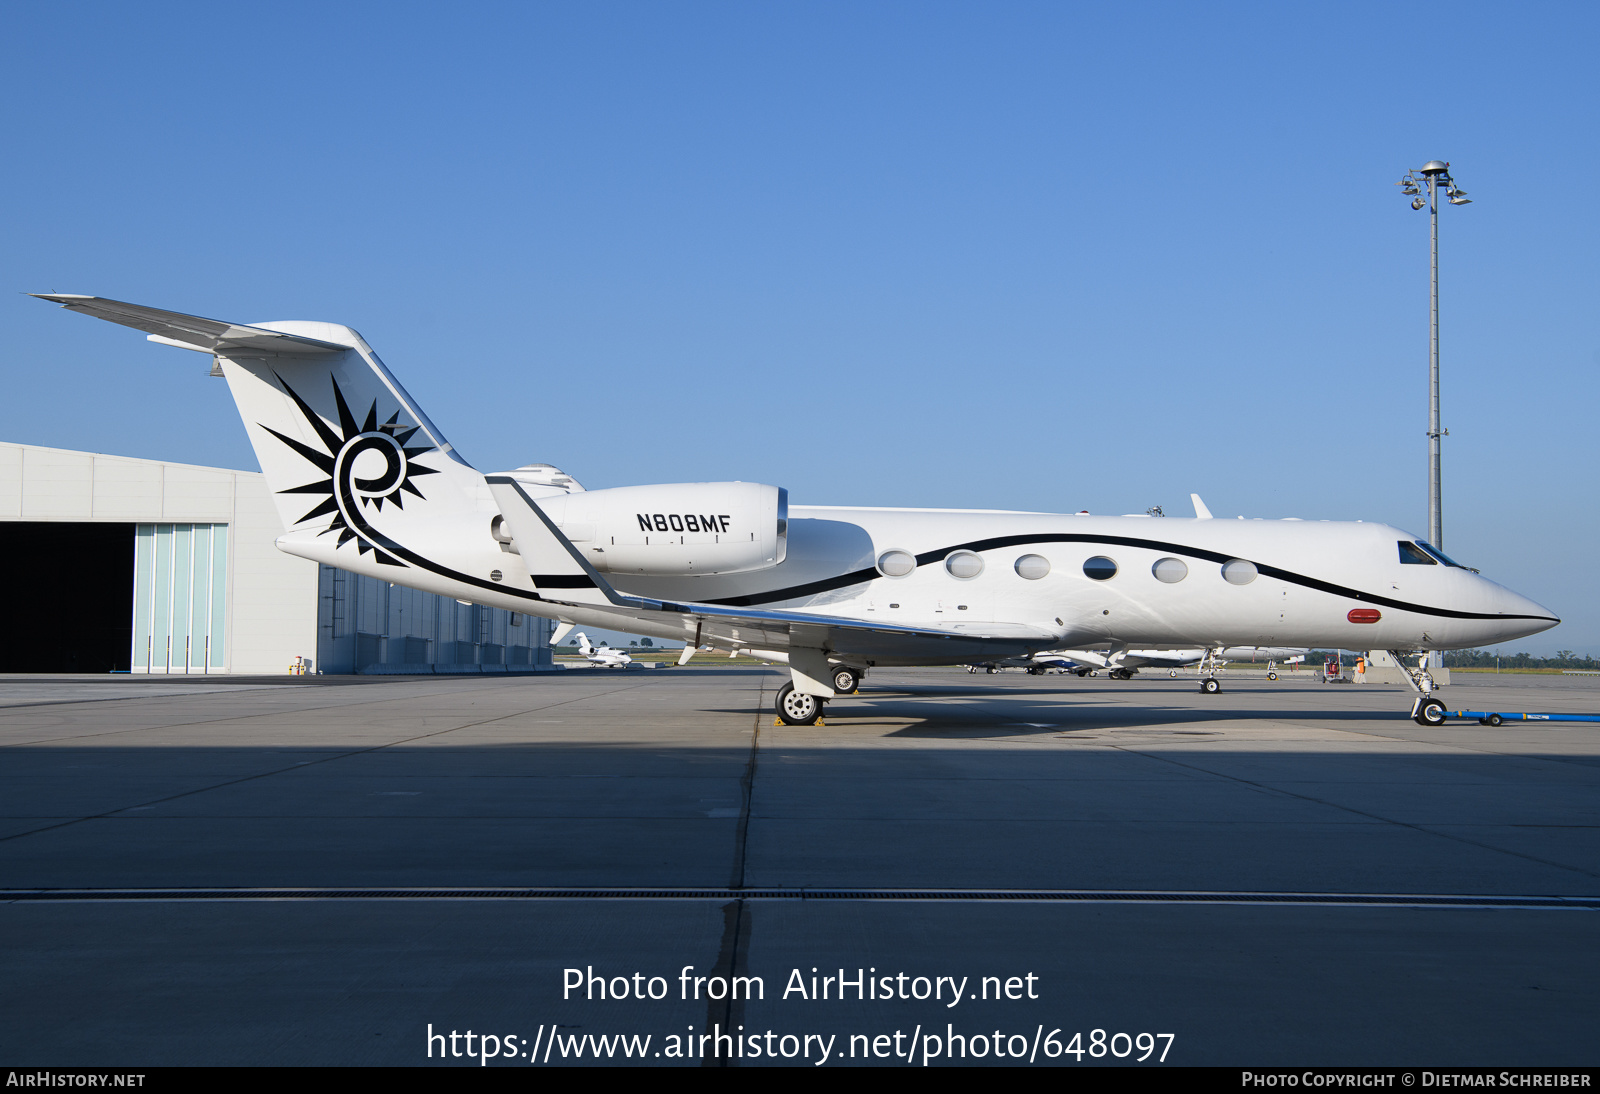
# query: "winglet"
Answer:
x=1200 y=510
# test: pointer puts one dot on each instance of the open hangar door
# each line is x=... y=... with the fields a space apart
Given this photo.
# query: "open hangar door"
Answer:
x=70 y=591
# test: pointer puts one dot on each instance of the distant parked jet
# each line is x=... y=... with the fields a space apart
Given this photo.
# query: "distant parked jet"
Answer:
x=1123 y=664
x=605 y=657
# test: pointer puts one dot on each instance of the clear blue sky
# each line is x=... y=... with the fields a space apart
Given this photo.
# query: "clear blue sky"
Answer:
x=1047 y=256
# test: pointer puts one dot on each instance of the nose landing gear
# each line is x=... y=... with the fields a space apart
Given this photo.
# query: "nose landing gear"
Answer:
x=1426 y=710
x=1209 y=664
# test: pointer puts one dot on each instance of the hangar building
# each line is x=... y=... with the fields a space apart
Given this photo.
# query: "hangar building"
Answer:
x=126 y=565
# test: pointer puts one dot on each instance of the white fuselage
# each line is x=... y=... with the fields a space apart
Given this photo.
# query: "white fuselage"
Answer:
x=1322 y=562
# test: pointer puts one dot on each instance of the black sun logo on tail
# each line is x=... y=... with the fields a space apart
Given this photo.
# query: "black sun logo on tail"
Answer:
x=366 y=466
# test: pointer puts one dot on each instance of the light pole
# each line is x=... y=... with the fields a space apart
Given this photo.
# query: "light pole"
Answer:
x=1434 y=175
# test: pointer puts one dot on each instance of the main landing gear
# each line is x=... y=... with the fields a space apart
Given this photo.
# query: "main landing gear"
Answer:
x=798 y=708
x=1209 y=664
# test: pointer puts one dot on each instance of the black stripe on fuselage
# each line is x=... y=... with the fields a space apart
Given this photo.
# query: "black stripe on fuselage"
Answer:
x=352 y=514
x=858 y=577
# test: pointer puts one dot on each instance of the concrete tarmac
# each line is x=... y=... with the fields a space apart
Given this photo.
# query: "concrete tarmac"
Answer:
x=1322 y=825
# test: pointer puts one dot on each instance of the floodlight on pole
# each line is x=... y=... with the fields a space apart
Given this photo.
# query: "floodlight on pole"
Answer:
x=1434 y=175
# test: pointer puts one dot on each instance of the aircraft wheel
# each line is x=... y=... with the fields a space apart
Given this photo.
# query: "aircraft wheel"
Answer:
x=1494 y=720
x=1210 y=686
x=1272 y=676
x=1431 y=713
x=797 y=708
x=1173 y=673
x=990 y=668
x=1036 y=670
x=846 y=680
x=1094 y=672
x=972 y=668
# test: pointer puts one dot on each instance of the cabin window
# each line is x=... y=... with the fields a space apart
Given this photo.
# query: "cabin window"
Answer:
x=1100 y=568
x=1170 y=570
x=1238 y=571
x=1412 y=555
x=1032 y=567
x=896 y=563
x=963 y=564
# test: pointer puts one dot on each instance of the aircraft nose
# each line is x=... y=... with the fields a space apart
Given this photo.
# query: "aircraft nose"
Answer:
x=1523 y=616
x=1530 y=607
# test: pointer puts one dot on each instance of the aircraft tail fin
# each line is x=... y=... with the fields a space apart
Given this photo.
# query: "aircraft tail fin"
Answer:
x=343 y=447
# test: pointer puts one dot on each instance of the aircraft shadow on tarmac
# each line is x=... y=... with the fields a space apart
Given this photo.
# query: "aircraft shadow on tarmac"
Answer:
x=1025 y=712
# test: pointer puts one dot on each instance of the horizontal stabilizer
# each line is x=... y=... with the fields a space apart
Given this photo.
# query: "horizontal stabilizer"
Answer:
x=191 y=331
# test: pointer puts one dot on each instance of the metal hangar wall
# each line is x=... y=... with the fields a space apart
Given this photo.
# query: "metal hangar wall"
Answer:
x=145 y=566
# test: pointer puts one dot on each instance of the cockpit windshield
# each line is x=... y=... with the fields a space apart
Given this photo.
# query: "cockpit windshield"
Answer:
x=1412 y=555
x=1440 y=555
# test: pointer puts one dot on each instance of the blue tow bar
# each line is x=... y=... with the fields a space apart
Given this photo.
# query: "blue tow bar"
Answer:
x=1494 y=718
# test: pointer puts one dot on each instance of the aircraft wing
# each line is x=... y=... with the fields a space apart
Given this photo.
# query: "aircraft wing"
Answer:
x=563 y=576
x=190 y=331
x=715 y=624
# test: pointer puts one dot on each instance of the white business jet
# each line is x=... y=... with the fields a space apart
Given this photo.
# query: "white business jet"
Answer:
x=365 y=482
x=605 y=657
x=1123 y=664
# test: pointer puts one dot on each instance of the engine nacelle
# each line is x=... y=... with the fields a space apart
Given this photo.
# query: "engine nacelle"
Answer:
x=677 y=529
